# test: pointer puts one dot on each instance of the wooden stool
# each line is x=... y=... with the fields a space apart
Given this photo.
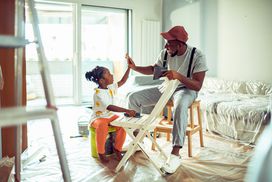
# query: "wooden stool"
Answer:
x=166 y=125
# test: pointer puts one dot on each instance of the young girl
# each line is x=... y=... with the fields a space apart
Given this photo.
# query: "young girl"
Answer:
x=103 y=105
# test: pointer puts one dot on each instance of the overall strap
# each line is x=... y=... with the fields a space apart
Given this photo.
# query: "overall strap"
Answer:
x=165 y=59
x=191 y=61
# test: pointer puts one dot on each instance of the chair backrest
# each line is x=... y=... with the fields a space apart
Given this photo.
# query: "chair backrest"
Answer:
x=168 y=88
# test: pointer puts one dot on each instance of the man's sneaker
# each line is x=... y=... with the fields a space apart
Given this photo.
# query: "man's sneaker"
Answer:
x=172 y=164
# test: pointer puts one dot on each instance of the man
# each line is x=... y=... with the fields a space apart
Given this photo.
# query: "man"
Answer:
x=176 y=58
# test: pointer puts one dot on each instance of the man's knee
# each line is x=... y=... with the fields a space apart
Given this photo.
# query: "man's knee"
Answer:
x=132 y=98
x=181 y=106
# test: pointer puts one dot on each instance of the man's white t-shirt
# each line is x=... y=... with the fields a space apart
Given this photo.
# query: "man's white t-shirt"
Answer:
x=102 y=99
x=181 y=63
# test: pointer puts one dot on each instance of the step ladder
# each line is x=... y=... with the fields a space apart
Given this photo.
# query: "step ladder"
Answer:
x=16 y=116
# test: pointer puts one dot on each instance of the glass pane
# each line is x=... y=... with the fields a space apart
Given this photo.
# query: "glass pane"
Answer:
x=57 y=36
x=104 y=43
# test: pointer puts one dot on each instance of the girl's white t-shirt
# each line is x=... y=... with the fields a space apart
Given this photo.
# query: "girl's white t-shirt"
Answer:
x=102 y=99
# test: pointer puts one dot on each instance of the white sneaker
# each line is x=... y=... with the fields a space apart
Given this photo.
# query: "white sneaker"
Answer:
x=172 y=164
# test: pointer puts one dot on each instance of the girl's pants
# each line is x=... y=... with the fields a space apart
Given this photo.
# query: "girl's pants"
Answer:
x=101 y=126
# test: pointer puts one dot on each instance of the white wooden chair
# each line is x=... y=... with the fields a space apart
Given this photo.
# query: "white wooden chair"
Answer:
x=145 y=124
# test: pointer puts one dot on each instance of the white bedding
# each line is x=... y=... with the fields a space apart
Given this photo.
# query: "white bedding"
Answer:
x=239 y=110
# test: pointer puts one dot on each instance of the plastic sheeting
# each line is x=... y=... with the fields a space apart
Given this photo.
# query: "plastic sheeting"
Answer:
x=220 y=159
x=236 y=109
x=259 y=168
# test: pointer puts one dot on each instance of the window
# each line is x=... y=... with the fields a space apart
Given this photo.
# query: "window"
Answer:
x=104 y=43
x=54 y=20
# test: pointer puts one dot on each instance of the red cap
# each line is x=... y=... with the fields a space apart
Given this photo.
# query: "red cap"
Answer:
x=176 y=33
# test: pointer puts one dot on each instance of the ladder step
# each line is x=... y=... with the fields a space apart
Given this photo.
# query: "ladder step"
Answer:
x=7 y=41
x=19 y=115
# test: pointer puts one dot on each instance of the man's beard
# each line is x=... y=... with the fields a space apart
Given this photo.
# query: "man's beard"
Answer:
x=174 y=54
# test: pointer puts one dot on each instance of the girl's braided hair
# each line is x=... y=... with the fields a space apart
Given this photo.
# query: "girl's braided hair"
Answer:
x=95 y=74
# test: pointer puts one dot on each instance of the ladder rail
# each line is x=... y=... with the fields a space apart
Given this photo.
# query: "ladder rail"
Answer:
x=8 y=41
x=18 y=76
x=43 y=65
x=48 y=91
x=19 y=115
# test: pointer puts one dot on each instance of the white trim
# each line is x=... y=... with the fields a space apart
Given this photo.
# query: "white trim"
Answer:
x=77 y=95
x=120 y=4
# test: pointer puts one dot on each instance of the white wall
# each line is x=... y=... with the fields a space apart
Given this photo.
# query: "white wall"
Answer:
x=179 y=12
x=245 y=39
x=235 y=35
x=209 y=34
x=141 y=10
x=191 y=23
x=190 y=15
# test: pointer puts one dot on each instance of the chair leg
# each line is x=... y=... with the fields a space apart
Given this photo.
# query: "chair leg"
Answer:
x=154 y=137
x=200 y=125
x=190 y=145
x=168 y=136
x=201 y=138
x=169 y=116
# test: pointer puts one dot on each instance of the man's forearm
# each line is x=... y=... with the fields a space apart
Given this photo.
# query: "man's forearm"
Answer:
x=147 y=70
x=195 y=83
x=189 y=83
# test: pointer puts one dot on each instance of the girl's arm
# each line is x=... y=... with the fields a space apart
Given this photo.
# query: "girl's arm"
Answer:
x=124 y=79
x=114 y=108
